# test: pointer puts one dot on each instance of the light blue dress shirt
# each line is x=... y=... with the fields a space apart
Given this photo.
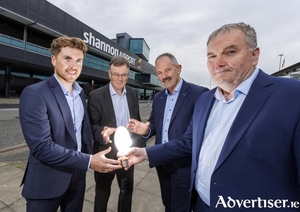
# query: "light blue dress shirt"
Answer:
x=169 y=108
x=120 y=105
x=76 y=108
x=219 y=123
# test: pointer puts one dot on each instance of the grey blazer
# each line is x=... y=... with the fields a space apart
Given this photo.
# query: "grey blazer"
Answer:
x=101 y=113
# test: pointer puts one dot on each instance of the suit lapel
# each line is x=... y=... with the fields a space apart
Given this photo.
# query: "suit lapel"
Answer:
x=130 y=101
x=257 y=96
x=181 y=97
x=84 y=105
x=160 y=108
x=109 y=105
x=63 y=105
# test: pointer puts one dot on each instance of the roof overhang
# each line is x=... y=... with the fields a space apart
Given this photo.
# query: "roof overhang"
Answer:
x=28 y=22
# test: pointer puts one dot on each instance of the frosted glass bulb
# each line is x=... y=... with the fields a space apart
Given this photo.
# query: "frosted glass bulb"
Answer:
x=122 y=139
x=123 y=142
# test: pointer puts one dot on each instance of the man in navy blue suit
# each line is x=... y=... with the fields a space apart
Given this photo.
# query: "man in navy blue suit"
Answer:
x=244 y=136
x=57 y=130
x=171 y=113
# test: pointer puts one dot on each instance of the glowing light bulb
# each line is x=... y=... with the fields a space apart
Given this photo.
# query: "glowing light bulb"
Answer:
x=122 y=142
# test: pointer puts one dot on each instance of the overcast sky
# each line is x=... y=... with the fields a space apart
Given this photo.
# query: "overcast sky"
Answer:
x=182 y=27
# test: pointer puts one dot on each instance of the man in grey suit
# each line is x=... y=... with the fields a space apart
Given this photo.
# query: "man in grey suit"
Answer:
x=111 y=106
x=57 y=131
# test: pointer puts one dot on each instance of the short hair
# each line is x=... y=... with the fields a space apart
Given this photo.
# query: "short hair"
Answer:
x=118 y=61
x=65 y=41
x=247 y=30
x=170 y=56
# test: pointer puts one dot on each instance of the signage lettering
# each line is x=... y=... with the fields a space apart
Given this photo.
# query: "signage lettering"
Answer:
x=101 y=45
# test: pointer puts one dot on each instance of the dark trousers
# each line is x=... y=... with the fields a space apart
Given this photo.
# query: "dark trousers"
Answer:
x=103 y=189
x=174 y=190
x=201 y=206
x=70 y=201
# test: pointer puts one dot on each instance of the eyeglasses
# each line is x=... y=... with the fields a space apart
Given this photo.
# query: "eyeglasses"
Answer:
x=119 y=75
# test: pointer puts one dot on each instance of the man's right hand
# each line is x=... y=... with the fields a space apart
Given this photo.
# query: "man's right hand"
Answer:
x=138 y=127
x=107 y=132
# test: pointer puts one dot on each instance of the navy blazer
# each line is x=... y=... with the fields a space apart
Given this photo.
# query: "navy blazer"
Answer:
x=48 y=130
x=261 y=154
x=180 y=119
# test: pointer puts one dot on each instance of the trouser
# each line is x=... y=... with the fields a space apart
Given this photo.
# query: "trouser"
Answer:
x=70 y=201
x=174 y=190
x=201 y=206
x=103 y=189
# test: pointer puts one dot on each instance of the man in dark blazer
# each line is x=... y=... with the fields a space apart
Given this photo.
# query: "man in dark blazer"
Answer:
x=168 y=121
x=111 y=106
x=253 y=162
x=57 y=131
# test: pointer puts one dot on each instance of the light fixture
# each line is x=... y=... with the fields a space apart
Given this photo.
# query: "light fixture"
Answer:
x=123 y=142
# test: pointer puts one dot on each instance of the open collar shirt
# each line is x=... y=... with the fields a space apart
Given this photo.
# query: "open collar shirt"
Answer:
x=120 y=105
x=219 y=123
x=169 y=108
x=76 y=108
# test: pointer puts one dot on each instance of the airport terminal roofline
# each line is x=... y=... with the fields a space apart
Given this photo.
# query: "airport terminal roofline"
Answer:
x=28 y=22
x=292 y=71
x=52 y=27
x=53 y=22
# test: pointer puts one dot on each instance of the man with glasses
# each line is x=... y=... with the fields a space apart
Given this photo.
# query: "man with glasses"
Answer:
x=111 y=106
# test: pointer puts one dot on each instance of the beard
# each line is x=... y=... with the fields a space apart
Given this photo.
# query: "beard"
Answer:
x=67 y=75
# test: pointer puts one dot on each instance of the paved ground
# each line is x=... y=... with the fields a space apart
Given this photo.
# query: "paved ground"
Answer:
x=13 y=157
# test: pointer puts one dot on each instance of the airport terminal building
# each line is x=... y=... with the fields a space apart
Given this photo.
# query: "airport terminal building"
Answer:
x=27 y=28
x=292 y=71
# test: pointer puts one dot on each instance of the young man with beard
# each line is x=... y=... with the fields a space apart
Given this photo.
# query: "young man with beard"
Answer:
x=57 y=130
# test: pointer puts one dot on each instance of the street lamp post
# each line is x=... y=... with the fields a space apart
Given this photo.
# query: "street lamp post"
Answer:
x=280 y=56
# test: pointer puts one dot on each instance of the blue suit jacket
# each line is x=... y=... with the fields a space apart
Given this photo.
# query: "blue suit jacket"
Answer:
x=261 y=154
x=48 y=130
x=180 y=119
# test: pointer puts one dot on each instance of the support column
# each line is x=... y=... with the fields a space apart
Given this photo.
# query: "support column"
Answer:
x=25 y=39
x=144 y=93
x=7 y=79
